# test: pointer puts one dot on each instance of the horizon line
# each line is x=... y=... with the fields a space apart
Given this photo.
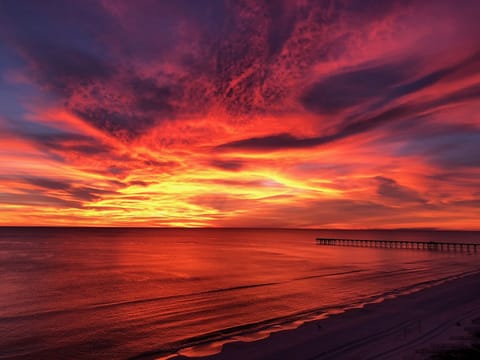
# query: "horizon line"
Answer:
x=233 y=228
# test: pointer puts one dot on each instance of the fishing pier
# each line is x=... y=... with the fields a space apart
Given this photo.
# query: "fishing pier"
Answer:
x=395 y=244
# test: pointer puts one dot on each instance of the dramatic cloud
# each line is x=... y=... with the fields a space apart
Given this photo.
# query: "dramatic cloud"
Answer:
x=340 y=92
x=389 y=188
x=268 y=113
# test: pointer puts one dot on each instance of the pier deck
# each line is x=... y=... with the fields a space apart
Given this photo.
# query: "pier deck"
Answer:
x=396 y=244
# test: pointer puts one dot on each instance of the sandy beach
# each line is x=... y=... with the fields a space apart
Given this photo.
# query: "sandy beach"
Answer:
x=407 y=327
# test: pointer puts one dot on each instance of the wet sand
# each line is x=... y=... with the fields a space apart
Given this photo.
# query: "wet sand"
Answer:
x=408 y=327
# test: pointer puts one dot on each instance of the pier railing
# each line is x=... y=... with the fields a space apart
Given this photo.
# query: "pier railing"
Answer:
x=396 y=244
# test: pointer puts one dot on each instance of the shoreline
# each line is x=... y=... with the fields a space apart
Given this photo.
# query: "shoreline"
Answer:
x=404 y=326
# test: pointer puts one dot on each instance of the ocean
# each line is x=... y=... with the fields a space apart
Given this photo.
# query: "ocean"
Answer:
x=104 y=293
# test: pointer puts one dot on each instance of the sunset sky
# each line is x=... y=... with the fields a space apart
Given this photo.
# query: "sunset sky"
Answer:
x=311 y=114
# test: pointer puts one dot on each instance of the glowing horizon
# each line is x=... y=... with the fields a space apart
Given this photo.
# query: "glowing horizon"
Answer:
x=295 y=114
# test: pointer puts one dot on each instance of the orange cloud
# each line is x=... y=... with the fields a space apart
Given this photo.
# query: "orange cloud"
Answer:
x=228 y=114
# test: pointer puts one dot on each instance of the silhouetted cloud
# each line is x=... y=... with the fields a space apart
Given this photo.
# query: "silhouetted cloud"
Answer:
x=38 y=200
x=361 y=125
x=433 y=77
x=230 y=165
x=68 y=143
x=341 y=91
x=52 y=184
x=449 y=150
x=138 y=183
x=378 y=84
x=389 y=188
x=87 y=193
x=272 y=142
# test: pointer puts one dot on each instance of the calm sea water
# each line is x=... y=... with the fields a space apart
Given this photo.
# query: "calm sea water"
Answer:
x=121 y=293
